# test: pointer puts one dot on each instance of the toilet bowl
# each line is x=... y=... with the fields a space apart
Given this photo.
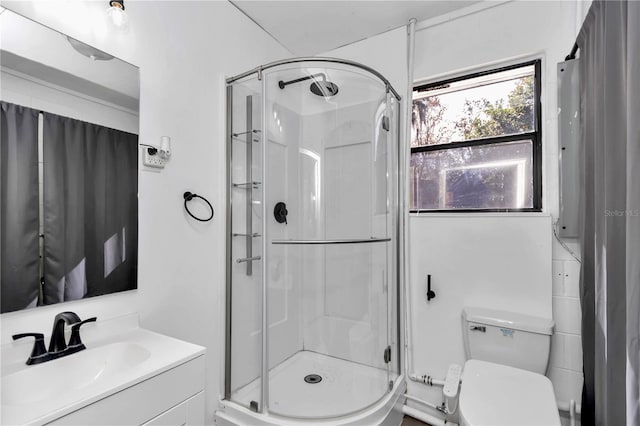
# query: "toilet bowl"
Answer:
x=503 y=381
x=499 y=395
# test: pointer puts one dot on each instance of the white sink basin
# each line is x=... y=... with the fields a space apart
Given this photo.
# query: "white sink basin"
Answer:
x=71 y=373
x=38 y=394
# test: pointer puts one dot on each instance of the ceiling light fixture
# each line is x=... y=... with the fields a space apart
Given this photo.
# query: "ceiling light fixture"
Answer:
x=89 y=51
x=117 y=16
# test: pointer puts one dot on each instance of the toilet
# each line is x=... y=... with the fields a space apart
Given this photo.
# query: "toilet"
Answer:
x=503 y=381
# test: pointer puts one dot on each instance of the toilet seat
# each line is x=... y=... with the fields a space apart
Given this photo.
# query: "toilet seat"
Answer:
x=494 y=394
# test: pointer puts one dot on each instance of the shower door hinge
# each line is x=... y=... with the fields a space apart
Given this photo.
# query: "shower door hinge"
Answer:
x=387 y=355
x=253 y=405
x=385 y=123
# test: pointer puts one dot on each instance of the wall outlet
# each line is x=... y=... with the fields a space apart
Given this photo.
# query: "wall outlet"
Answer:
x=153 y=160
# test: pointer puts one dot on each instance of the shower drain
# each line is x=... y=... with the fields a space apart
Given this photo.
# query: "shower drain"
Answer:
x=313 y=378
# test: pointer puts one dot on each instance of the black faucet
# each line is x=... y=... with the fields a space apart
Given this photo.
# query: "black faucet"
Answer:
x=75 y=344
x=58 y=341
x=39 y=352
x=57 y=345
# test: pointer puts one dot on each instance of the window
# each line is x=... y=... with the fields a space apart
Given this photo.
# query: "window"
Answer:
x=476 y=143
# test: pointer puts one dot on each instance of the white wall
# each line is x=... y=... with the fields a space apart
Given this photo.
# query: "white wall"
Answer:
x=181 y=263
x=493 y=261
x=526 y=29
x=489 y=260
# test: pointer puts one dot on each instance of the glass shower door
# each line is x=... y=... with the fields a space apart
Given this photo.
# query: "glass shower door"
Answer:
x=243 y=359
x=328 y=270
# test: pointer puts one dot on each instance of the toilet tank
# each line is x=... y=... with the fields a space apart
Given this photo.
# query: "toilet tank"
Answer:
x=507 y=338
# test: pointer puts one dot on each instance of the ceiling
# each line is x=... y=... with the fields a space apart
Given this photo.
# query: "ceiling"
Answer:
x=311 y=27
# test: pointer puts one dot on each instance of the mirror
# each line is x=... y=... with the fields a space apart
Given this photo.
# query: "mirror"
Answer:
x=68 y=168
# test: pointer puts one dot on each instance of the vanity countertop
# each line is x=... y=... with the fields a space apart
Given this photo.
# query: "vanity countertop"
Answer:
x=113 y=361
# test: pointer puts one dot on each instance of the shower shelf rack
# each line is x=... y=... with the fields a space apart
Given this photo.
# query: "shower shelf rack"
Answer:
x=247 y=185
x=254 y=235
x=248 y=259
x=235 y=135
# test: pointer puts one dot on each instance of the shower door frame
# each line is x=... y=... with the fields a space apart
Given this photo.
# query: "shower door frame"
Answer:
x=401 y=220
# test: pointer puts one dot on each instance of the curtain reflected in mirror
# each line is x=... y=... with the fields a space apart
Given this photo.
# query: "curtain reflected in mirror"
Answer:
x=19 y=207
x=72 y=233
x=68 y=167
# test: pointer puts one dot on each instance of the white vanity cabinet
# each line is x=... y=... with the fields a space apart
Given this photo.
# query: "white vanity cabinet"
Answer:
x=172 y=398
x=127 y=376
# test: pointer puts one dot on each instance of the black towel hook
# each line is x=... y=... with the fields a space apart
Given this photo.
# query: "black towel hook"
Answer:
x=188 y=196
x=430 y=293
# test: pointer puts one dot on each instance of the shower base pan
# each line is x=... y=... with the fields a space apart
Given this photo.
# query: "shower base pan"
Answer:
x=328 y=390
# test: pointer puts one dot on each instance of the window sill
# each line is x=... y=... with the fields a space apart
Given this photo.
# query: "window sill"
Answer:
x=466 y=215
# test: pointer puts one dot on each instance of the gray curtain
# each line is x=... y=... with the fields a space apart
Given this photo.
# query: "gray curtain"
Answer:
x=19 y=208
x=610 y=236
x=90 y=209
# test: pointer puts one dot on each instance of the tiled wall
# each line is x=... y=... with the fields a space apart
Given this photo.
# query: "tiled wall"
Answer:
x=566 y=345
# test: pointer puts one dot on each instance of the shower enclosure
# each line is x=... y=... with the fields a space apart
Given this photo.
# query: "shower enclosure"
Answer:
x=312 y=296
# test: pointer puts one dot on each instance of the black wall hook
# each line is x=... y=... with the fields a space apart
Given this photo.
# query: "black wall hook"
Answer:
x=430 y=293
x=188 y=196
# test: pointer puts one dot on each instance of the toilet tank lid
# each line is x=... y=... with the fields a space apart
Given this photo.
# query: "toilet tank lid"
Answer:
x=512 y=320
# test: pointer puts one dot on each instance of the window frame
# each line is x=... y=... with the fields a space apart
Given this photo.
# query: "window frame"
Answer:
x=534 y=136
